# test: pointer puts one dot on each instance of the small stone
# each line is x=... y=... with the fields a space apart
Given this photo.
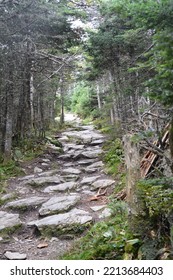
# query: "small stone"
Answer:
x=44 y=164
x=42 y=245
x=37 y=170
x=46 y=160
x=15 y=256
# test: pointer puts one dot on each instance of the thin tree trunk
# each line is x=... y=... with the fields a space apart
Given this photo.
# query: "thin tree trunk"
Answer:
x=9 y=118
x=62 y=101
x=98 y=95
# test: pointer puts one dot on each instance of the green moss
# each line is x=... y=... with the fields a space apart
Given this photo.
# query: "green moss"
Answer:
x=64 y=231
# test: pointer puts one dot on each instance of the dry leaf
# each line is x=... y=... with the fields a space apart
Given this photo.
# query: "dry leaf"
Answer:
x=42 y=245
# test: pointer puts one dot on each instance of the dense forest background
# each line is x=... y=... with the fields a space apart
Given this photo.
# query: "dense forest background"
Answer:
x=109 y=61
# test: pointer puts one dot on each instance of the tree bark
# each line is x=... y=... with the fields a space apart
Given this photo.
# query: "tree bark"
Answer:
x=98 y=95
x=132 y=161
x=9 y=118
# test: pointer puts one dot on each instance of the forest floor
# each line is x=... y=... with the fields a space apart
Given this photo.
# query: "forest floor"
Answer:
x=44 y=213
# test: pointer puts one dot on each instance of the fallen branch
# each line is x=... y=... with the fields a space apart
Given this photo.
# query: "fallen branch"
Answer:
x=98 y=195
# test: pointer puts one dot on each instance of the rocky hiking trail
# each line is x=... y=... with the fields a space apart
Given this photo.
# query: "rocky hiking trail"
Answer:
x=45 y=211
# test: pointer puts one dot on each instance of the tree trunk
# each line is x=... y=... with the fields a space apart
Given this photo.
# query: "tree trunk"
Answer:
x=98 y=95
x=62 y=101
x=9 y=118
x=133 y=172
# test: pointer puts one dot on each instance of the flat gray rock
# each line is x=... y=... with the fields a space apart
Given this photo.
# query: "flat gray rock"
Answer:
x=7 y=196
x=59 y=204
x=48 y=173
x=27 y=177
x=71 y=170
x=66 y=156
x=86 y=136
x=73 y=147
x=94 y=167
x=102 y=183
x=41 y=181
x=86 y=127
x=61 y=187
x=89 y=180
x=8 y=220
x=63 y=223
x=26 y=202
x=97 y=142
x=96 y=164
x=92 y=153
x=97 y=208
x=85 y=162
x=15 y=256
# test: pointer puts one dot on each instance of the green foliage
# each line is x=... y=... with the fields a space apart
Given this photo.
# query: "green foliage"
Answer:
x=157 y=195
x=82 y=103
x=113 y=156
x=8 y=170
x=109 y=239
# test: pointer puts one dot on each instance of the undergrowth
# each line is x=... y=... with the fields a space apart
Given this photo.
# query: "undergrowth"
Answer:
x=113 y=156
x=109 y=239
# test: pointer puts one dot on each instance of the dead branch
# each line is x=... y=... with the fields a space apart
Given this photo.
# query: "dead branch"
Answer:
x=98 y=195
x=153 y=150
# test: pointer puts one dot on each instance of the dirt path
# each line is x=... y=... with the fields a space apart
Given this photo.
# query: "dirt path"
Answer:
x=45 y=211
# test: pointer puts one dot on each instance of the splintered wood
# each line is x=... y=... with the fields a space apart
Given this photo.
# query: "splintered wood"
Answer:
x=150 y=157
